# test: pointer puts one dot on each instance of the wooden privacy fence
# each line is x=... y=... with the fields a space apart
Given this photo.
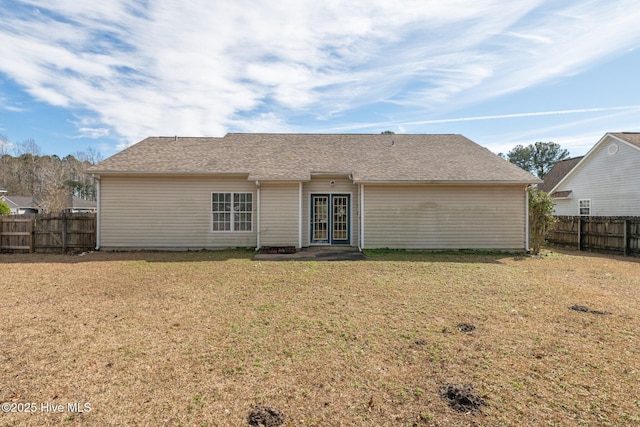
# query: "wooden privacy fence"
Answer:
x=48 y=232
x=598 y=233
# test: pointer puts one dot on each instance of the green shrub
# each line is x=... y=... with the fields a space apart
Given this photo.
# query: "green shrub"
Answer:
x=541 y=219
x=4 y=208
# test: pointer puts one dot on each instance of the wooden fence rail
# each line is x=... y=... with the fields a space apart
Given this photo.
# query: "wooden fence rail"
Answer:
x=48 y=232
x=599 y=234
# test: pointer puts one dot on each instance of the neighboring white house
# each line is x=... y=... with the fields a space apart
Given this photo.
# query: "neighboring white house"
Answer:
x=300 y=190
x=605 y=182
x=20 y=204
x=29 y=205
x=79 y=205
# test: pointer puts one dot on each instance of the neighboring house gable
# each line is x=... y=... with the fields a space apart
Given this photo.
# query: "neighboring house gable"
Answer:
x=559 y=170
x=605 y=182
x=21 y=204
x=256 y=190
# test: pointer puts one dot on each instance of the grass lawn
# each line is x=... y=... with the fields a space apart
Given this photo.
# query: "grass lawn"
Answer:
x=201 y=338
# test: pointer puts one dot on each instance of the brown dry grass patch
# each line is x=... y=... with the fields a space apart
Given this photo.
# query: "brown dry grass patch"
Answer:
x=203 y=338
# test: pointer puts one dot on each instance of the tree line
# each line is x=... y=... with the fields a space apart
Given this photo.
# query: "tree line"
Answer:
x=49 y=179
x=537 y=158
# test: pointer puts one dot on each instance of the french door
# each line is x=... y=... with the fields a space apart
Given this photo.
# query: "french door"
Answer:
x=330 y=219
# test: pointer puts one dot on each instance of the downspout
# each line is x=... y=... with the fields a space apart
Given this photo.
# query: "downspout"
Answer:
x=258 y=218
x=526 y=220
x=300 y=215
x=97 y=212
x=361 y=209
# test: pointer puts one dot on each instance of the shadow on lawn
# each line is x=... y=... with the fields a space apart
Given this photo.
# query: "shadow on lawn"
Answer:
x=457 y=256
x=146 y=256
x=566 y=250
x=371 y=255
x=377 y=255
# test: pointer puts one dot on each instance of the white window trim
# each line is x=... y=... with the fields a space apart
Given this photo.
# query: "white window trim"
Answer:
x=232 y=225
x=587 y=207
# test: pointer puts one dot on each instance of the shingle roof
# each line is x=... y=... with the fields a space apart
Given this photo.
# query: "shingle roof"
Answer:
x=80 y=203
x=630 y=137
x=295 y=157
x=559 y=170
x=561 y=194
x=21 y=201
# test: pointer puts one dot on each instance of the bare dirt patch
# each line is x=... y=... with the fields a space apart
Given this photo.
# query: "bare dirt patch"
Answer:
x=201 y=338
x=462 y=398
x=465 y=327
x=265 y=416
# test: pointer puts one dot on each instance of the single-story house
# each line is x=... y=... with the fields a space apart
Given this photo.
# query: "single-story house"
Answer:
x=300 y=190
x=604 y=182
x=31 y=205
x=79 y=205
x=21 y=204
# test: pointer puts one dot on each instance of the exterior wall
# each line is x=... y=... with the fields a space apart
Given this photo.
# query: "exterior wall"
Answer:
x=444 y=217
x=322 y=185
x=610 y=181
x=279 y=214
x=159 y=212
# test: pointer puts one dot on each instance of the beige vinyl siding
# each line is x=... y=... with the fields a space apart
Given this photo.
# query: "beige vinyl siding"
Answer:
x=322 y=185
x=159 y=212
x=444 y=217
x=610 y=181
x=279 y=208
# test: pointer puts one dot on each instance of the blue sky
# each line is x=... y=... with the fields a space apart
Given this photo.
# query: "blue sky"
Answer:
x=79 y=74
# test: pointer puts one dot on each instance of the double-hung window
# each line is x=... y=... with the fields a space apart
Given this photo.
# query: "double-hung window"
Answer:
x=585 y=206
x=232 y=211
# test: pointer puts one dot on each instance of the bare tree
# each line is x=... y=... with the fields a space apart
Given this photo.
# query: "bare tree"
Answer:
x=53 y=194
x=28 y=146
x=49 y=179
x=5 y=146
x=89 y=155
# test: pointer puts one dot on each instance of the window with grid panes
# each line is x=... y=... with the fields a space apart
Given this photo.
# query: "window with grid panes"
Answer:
x=232 y=211
x=585 y=206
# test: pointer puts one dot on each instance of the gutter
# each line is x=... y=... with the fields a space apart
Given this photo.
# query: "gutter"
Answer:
x=361 y=208
x=448 y=182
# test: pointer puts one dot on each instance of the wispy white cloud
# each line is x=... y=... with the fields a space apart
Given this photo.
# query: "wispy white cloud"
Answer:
x=204 y=68
x=92 y=132
x=633 y=109
x=6 y=105
x=530 y=114
x=577 y=135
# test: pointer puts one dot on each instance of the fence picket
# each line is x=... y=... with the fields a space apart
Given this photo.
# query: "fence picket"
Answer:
x=48 y=232
x=598 y=234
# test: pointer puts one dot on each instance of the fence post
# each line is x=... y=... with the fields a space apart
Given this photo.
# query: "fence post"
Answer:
x=32 y=235
x=579 y=234
x=625 y=237
x=64 y=233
